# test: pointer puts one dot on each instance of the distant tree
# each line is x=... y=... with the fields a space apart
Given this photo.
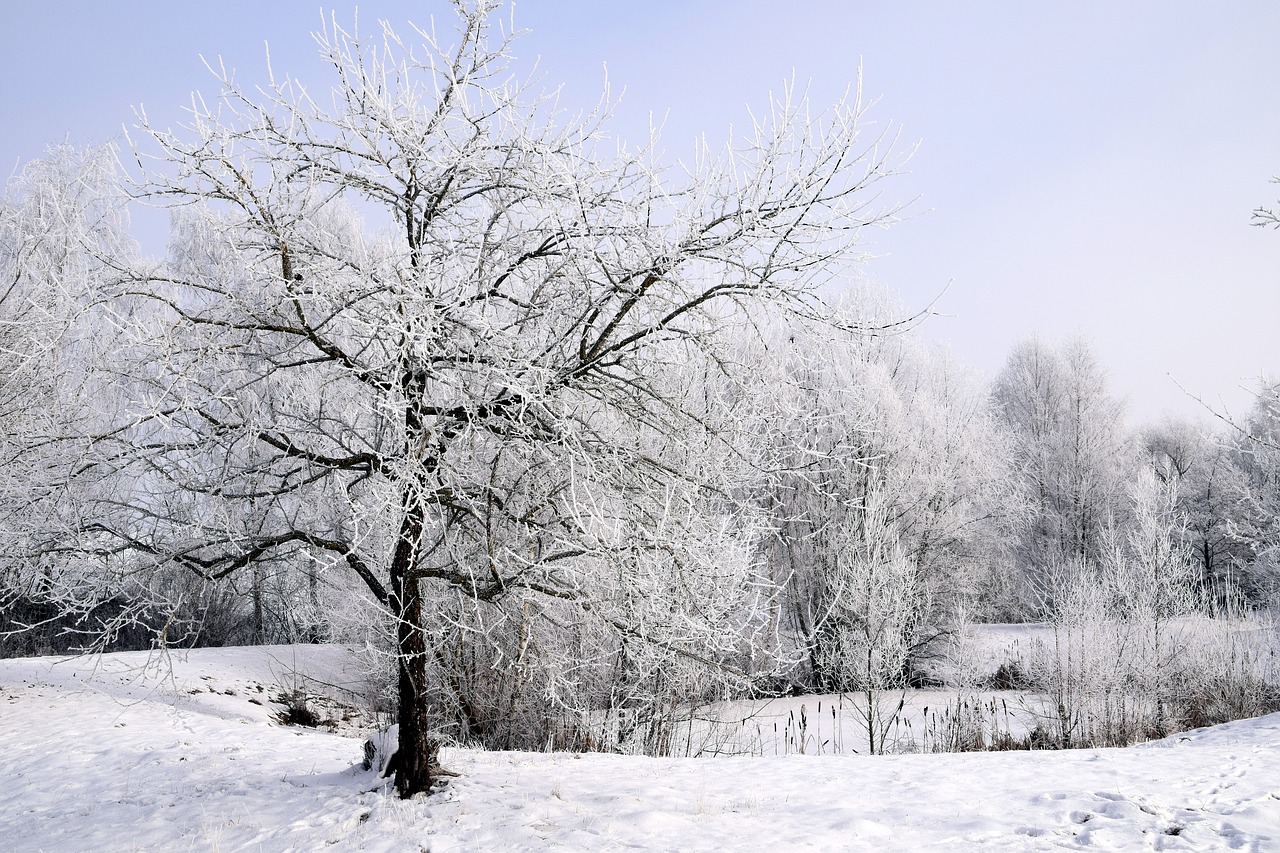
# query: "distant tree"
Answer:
x=58 y=218
x=1069 y=446
x=1257 y=452
x=889 y=469
x=433 y=333
x=1212 y=497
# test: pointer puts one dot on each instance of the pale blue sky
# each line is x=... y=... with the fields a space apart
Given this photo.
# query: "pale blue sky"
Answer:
x=1084 y=167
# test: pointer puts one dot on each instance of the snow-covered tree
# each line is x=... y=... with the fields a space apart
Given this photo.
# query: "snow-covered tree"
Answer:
x=428 y=329
x=888 y=468
x=1069 y=446
x=59 y=217
x=1256 y=442
x=1212 y=498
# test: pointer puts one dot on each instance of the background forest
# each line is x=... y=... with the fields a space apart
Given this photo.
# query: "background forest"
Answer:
x=570 y=442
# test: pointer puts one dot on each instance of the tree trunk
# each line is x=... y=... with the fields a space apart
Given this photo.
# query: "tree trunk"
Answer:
x=416 y=750
x=259 y=623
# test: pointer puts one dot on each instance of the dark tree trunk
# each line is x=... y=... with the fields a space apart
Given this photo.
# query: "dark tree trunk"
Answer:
x=415 y=760
x=259 y=622
x=416 y=751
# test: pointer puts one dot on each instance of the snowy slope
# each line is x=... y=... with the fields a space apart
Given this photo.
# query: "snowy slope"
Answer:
x=115 y=755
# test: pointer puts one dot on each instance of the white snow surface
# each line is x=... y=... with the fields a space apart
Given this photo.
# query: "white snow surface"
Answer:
x=119 y=753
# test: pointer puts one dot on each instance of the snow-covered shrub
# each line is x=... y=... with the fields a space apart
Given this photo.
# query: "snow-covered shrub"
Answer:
x=1230 y=669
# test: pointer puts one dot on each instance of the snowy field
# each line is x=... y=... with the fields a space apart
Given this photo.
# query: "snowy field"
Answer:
x=130 y=753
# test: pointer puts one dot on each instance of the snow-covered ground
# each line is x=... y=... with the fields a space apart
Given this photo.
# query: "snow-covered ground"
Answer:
x=127 y=753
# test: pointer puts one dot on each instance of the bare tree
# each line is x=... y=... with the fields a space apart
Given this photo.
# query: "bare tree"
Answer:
x=1118 y=669
x=1212 y=495
x=1069 y=446
x=429 y=329
x=1256 y=444
x=875 y=618
x=59 y=216
x=885 y=458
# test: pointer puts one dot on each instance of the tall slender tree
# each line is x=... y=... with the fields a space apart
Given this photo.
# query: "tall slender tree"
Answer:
x=1070 y=447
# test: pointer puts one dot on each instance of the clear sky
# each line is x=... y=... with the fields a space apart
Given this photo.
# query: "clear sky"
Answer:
x=1084 y=168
